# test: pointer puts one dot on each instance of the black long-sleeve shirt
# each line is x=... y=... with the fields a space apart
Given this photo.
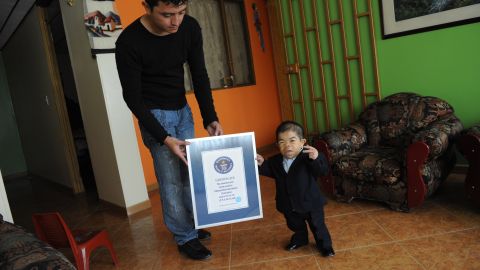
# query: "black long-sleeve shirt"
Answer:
x=151 y=72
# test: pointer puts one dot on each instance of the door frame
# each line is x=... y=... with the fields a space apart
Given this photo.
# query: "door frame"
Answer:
x=280 y=61
x=60 y=105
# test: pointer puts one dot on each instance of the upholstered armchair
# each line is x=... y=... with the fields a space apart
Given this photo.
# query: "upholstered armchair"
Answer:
x=398 y=151
x=469 y=145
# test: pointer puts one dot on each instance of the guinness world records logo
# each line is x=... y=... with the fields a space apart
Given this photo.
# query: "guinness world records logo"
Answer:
x=223 y=164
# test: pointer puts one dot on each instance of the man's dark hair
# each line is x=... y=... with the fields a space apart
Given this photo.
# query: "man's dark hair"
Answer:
x=290 y=125
x=153 y=3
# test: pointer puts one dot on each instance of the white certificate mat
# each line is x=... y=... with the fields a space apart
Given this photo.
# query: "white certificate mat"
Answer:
x=225 y=182
x=224 y=179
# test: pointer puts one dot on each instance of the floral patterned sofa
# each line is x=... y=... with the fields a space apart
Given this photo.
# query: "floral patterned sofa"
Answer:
x=469 y=145
x=22 y=250
x=399 y=151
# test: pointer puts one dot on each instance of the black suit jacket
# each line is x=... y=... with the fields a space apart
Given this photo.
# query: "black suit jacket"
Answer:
x=297 y=190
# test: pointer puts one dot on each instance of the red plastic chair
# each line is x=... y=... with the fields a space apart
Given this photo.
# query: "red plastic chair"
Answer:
x=51 y=228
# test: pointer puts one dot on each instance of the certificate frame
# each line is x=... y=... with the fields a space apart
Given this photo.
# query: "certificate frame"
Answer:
x=224 y=179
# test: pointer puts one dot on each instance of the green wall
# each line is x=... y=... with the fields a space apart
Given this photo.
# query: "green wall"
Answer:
x=11 y=154
x=444 y=63
x=322 y=64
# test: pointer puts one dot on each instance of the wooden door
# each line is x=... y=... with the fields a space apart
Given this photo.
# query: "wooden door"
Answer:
x=326 y=60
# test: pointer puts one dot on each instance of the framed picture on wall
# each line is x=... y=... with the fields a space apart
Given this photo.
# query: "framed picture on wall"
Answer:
x=103 y=25
x=404 y=17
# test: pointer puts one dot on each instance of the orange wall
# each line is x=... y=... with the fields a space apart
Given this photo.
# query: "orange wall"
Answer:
x=252 y=108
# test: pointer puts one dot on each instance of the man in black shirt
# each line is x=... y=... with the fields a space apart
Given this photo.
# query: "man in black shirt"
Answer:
x=150 y=54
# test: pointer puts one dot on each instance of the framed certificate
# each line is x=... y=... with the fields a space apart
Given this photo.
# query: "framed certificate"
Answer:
x=224 y=179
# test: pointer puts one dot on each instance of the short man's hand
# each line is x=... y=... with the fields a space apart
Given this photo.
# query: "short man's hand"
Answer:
x=311 y=151
x=215 y=129
x=260 y=160
x=178 y=147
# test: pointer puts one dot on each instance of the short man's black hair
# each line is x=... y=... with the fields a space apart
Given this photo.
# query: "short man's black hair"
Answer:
x=153 y=3
x=290 y=125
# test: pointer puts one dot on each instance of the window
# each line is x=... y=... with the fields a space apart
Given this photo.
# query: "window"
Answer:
x=225 y=42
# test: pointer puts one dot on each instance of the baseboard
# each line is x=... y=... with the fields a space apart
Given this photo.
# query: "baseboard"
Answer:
x=138 y=207
x=152 y=187
x=268 y=150
x=14 y=176
x=460 y=169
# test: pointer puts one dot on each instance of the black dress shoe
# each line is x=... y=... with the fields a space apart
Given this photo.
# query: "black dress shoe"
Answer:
x=327 y=252
x=195 y=250
x=292 y=246
x=204 y=234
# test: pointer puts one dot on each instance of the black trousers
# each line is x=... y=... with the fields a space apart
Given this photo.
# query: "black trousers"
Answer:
x=316 y=222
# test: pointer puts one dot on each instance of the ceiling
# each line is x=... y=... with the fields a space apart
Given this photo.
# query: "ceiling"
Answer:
x=12 y=13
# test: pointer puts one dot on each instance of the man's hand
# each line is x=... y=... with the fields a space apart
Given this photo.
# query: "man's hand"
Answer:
x=260 y=160
x=177 y=147
x=311 y=151
x=215 y=129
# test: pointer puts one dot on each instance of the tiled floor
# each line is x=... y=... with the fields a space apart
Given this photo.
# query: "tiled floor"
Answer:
x=442 y=234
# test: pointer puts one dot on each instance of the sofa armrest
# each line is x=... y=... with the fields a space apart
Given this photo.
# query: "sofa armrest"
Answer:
x=344 y=141
x=439 y=135
x=417 y=154
x=469 y=145
x=334 y=144
x=327 y=181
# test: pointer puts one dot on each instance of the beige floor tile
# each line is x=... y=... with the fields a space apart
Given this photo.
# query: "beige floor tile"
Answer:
x=334 y=208
x=444 y=233
x=452 y=197
x=142 y=234
x=262 y=244
x=125 y=263
x=303 y=262
x=130 y=257
x=355 y=230
x=170 y=258
x=459 y=250
x=270 y=217
x=267 y=189
x=382 y=257
x=429 y=219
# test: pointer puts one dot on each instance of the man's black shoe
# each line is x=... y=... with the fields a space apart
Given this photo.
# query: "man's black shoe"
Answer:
x=195 y=250
x=327 y=252
x=204 y=234
x=292 y=246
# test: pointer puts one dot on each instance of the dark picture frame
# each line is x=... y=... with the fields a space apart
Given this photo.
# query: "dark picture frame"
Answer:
x=402 y=17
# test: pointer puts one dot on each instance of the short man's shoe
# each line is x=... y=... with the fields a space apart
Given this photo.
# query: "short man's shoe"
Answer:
x=327 y=252
x=293 y=246
x=195 y=250
x=204 y=234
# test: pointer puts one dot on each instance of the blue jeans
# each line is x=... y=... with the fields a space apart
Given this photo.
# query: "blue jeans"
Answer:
x=172 y=174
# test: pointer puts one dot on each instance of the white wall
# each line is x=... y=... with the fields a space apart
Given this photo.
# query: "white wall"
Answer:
x=33 y=100
x=108 y=123
x=12 y=162
x=122 y=131
x=4 y=206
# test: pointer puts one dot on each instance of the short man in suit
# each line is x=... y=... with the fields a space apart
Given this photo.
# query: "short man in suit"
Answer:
x=298 y=196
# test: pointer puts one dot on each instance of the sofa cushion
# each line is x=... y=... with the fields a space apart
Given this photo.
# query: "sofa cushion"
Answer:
x=371 y=164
